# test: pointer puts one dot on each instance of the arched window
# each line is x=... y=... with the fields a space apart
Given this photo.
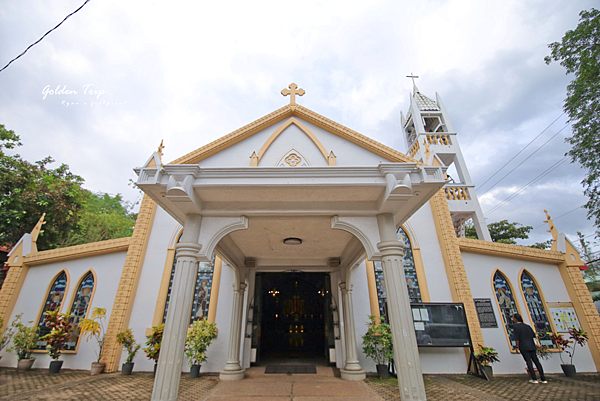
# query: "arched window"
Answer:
x=506 y=303
x=79 y=308
x=54 y=299
x=537 y=309
x=202 y=290
x=412 y=283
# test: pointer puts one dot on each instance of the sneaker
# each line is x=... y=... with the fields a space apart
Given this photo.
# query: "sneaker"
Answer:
x=543 y=381
x=533 y=381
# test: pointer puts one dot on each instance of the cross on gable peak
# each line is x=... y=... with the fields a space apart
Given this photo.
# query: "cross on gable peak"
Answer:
x=293 y=91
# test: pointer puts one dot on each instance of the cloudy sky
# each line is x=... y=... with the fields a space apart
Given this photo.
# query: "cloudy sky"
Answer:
x=190 y=72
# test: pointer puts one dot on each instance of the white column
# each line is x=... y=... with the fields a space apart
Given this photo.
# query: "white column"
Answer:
x=352 y=369
x=168 y=372
x=406 y=352
x=233 y=370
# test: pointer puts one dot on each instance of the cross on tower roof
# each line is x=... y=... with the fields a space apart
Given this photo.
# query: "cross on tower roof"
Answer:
x=412 y=76
x=293 y=92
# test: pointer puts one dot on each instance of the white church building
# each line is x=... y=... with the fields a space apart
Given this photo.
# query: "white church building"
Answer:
x=288 y=233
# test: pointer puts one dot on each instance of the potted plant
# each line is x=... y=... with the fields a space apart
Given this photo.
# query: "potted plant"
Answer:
x=126 y=339
x=61 y=327
x=377 y=344
x=24 y=339
x=199 y=337
x=577 y=337
x=486 y=356
x=6 y=334
x=152 y=349
x=94 y=327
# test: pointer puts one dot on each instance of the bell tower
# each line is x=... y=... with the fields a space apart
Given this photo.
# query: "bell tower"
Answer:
x=431 y=139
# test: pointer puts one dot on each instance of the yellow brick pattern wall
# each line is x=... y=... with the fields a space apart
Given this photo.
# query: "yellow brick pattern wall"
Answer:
x=10 y=290
x=585 y=308
x=455 y=268
x=119 y=317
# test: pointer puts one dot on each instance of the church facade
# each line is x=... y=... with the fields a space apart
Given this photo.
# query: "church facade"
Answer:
x=289 y=233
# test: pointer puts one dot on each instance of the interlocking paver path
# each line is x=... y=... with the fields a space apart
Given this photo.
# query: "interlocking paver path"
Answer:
x=79 y=385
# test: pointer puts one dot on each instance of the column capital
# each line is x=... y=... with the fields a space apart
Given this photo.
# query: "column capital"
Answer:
x=187 y=249
x=242 y=287
x=345 y=287
x=391 y=248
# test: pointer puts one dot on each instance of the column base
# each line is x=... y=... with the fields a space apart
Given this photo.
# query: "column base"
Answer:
x=353 y=375
x=232 y=374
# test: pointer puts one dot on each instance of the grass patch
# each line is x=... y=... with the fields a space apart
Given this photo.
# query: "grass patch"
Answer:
x=390 y=381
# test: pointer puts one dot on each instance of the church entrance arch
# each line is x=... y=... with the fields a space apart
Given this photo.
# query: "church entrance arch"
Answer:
x=292 y=318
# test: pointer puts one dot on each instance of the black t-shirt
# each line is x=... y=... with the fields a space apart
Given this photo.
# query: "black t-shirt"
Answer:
x=524 y=335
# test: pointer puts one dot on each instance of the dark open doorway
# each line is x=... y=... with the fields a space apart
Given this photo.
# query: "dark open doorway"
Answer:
x=294 y=316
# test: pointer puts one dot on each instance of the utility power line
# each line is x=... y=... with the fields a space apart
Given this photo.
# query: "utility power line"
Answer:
x=527 y=158
x=564 y=214
x=46 y=34
x=520 y=151
x=530 y=183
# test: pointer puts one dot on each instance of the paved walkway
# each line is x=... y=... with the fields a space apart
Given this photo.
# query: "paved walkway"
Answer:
x=78 y=385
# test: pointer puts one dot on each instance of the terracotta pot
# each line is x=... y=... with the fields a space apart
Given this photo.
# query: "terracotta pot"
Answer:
x=55 y=367
x=127 y=368
x=97 y=368
x=569 y=370
x=383 y=372
x=194 y=371
x=489 y=371
x=25 y=364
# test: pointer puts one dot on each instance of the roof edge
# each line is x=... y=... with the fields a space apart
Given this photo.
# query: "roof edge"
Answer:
x=290 y=111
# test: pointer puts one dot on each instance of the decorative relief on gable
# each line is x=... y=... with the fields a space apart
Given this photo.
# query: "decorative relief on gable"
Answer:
x=293 y=158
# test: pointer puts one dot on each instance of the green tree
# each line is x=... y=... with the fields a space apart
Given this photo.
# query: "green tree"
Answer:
x=27 y=190
x=579 y=53
x=502 y=231
x=591 y=259
x=102 y=217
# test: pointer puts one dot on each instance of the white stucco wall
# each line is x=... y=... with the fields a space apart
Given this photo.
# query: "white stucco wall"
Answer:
x=362 y=310
x=347 y=153
x=108 y=269
x=479 y=272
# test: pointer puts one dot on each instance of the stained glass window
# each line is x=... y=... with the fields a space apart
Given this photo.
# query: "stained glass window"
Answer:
x=506 y=302
x=54 y=300
x=412 y=283
x=537 y=310
x=79 y=308
x=202 y=290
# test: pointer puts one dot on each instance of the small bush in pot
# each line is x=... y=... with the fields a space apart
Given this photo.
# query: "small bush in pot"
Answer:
x=94 y=328
x=61 y=327
x=24 y=339
x=577 y=337
x=126 y=339
x=377 y=344
x=152 y=349
x=486 y=356
x=199 y=337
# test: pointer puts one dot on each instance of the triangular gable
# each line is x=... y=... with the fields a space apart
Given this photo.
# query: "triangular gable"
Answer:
x=284 y=113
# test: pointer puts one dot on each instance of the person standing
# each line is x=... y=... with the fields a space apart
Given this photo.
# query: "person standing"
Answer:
x=525 y=341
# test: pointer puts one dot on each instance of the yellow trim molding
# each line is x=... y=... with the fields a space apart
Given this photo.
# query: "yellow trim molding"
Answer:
x=78 y=251
x=372 y=284
x=214 y=290
x=123 y=304
x=455 y=268
x=278 y=132
x=511 y=251
x=282 y=114
x=512 y=289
